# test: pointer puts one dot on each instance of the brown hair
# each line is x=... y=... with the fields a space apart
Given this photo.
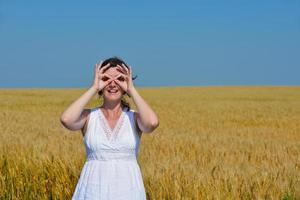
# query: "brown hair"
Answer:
x=114 y=61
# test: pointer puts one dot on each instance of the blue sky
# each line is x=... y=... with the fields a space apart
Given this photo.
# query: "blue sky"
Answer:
x=167 y=43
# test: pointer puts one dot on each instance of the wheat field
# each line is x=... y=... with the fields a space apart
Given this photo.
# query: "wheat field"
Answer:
x=213 y=142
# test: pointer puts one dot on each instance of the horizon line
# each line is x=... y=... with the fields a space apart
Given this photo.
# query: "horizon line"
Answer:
x=166 y=86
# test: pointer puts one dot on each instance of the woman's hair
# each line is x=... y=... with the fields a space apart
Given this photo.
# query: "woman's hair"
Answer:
x=114 y=61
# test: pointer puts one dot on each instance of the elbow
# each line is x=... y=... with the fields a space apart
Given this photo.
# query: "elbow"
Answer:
x=66 y=124
x=155 y=124
x=64 y=121
x=152 y=126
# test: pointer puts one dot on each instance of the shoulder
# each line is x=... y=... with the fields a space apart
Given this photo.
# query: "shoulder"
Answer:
x=131 y=113
x=87 y=112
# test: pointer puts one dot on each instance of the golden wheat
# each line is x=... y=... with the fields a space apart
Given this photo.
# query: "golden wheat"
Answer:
x=212 y=143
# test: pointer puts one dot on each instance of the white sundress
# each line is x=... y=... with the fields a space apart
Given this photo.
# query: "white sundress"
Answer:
x=111 y=170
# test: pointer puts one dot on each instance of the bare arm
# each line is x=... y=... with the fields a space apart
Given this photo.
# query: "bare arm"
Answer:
x=146 y=118
x=75 y=116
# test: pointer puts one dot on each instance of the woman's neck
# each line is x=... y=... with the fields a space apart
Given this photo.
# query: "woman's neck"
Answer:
x=112 y=108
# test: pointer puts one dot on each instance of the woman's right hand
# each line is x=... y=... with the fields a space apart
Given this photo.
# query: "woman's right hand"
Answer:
x=100 y=78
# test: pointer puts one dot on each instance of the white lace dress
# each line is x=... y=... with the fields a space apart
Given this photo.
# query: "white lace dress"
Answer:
x=111 y=170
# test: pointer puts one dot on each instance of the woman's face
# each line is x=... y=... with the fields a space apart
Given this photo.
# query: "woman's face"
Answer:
x=112 y=91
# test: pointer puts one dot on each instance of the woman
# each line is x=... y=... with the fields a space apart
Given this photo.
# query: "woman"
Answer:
x=111 y=135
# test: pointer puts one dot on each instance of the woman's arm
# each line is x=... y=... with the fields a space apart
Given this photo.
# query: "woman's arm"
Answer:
x=74 y=117
x=147 y=120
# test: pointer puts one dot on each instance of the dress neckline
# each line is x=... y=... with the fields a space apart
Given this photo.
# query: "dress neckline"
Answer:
x=109 y=132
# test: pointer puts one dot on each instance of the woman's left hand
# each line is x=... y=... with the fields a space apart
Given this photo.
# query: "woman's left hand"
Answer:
x=126 y=81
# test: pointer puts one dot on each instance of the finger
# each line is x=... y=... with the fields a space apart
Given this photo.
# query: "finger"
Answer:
x=122 y=75
x=96 y=68
x=119 y=83
x=105 y=67
x=97 y=65
x=124 y=66
x=130 y=70
x=107 y=75
x=120 y=69
x=107 y=82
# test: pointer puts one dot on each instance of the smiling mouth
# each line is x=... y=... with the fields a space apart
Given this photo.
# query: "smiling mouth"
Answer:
x=113 y=91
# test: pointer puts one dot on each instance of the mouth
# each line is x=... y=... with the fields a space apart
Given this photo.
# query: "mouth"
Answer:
x=113 y=91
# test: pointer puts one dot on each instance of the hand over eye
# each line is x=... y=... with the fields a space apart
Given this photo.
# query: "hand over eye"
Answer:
x=100 y=78
x=120 y=78
x=124 y=79
x=104 y=78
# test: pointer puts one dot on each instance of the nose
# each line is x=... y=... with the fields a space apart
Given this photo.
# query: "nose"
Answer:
x=113 y=83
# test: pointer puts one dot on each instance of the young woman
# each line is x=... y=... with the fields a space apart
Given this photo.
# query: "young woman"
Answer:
x=111 y=135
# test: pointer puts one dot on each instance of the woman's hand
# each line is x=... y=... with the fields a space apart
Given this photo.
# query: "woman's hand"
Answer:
x=101 y=79
x=124 y=80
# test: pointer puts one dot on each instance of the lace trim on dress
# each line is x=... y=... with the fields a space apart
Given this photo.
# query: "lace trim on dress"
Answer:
x=111 y=134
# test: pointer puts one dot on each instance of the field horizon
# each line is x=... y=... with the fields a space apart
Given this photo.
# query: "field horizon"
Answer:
x=213 y=142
